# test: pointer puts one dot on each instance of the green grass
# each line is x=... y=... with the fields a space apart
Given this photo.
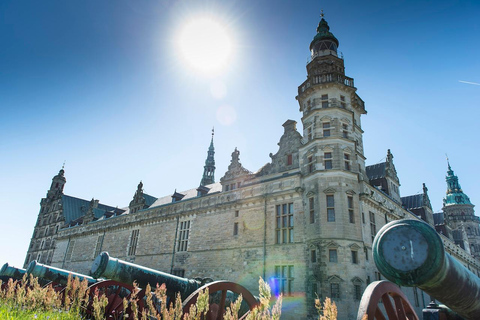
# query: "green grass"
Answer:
x=12 y=312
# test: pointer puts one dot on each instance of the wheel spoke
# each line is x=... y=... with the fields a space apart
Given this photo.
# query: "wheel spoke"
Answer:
x=379 y=315
x=391 y=312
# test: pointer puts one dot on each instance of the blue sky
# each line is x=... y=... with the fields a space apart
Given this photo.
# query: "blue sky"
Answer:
x=101 y=85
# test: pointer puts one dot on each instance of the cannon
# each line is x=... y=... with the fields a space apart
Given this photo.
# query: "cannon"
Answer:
x=115 y=291
x=411 y=253
x=55 y=275
x=221 y=292
x=8 y=272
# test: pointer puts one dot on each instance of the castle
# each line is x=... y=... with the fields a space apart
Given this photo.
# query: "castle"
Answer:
x=305 y=221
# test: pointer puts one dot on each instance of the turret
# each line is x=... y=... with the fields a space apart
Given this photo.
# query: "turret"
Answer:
x=460 y=215
x=209 y=168
x=56 y=188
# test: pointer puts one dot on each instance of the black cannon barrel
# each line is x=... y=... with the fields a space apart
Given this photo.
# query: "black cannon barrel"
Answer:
x=9 y=271
x=56 y=275
x=126 y=272
x=411 y=253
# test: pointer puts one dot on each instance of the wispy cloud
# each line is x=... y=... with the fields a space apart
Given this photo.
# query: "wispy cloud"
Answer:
x=468 y=82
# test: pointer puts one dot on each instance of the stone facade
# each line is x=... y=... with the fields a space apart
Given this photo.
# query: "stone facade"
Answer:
x=305 y=221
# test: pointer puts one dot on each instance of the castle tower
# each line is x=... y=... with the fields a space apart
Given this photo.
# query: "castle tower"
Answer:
x=332 y=164
x=331 y=110
x=50 y=219
x=56 y=188
x=460 y=215
x=209 y=168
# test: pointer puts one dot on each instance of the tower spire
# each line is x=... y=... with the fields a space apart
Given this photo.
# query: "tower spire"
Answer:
x=455 y=194
x=209 y=168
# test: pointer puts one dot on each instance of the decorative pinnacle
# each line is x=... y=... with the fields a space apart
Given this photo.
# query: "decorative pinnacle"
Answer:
x=213 y=131
x=63 y=165
x=322 y=15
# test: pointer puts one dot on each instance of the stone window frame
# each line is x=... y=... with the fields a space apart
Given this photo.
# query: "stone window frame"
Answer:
x=310 y=163
x=373 y=225
x=69 y=251
x=311 y=208
x=332 y=247
x=284 y=275
x=309 y=132
x=343 y=102
x=324 y=100
x=289 y=159
x=355 y=259
x=235 y=228
x=330 y=205
x=357 y=288
x=183 y=235
x=133 y=242
x=347 y=158
x=284 y=223
x=350 y=208
x=328 y=159
x=326 y=129
x=335 y=288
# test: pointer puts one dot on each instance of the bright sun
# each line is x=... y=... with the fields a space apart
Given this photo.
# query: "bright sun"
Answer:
x=205 y=45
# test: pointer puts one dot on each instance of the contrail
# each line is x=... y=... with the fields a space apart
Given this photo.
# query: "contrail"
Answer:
x=475 y=83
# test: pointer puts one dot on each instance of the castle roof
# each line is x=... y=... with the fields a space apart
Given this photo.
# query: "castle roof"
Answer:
x=376 y=171
x=75 y=208
x=413 y=202
x=188 y=194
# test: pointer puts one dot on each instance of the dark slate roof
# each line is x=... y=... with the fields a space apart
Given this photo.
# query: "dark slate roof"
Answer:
x=438 y=218
x=74 y=208
x=376 y=171
x=149 y=200
x=413 y=202
x=457 y=235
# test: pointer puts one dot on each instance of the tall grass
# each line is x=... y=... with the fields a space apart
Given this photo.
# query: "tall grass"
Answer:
x=26 y=299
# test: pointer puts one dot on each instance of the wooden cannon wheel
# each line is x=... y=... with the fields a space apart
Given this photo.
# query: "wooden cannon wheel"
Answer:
x=217 y=310
x=58 y=288
x=385 y=291
x=115 y=293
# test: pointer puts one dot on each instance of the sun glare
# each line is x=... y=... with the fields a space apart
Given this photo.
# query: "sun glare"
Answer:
x=205 y=45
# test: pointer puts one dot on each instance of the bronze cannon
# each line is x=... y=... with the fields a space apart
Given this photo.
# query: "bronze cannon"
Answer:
x=114 y=291
x=221 y=292
x=411 y=253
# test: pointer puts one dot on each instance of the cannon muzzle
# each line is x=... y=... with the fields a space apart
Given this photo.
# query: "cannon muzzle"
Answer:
x=411 y=253
x=12 y=272
x=56 y=275
x=126 y=272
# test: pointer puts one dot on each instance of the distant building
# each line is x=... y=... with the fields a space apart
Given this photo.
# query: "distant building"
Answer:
x=305 y=221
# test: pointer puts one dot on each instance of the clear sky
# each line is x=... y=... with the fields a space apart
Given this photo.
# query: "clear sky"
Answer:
x=103 y=86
